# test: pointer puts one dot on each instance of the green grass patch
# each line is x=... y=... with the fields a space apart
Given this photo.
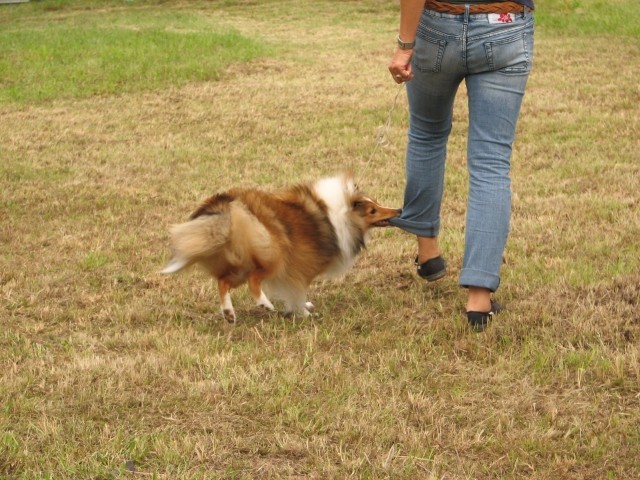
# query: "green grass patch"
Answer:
x=98 y=53
x=589 y=17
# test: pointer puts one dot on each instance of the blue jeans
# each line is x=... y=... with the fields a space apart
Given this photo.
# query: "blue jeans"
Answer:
x=494 y=60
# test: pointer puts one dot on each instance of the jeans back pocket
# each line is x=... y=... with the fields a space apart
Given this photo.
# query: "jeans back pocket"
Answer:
x=428 y=54
x=511 y=54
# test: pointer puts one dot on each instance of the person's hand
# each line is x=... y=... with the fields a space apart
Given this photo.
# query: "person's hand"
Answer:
x=400 y=66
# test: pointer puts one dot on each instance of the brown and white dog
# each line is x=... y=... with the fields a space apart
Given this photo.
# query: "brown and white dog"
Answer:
x=284 y=239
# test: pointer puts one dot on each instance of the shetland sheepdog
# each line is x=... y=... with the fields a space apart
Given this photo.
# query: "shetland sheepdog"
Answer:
x=282 y=240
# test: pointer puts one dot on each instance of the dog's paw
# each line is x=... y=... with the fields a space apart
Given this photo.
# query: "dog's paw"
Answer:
x=265 y=303
x=229 y=315
x=303 y=310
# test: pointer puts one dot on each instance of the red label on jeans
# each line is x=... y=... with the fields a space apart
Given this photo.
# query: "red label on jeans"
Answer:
x=505 y=18
x=501 y=17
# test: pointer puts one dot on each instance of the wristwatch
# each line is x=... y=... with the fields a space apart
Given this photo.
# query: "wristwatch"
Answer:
x=405 y=45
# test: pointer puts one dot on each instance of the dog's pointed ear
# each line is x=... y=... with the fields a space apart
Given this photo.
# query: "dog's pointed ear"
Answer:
x=350 y=182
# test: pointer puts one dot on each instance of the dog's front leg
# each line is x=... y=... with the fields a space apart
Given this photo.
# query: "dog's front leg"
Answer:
x=225 y=301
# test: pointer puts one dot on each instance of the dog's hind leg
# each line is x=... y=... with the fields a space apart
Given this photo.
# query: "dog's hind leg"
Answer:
x=225 y=301
x=255 y=287
x=293 y=311
x=297 y=303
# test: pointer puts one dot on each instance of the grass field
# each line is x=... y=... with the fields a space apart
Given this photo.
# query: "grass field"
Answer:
x=118 y=117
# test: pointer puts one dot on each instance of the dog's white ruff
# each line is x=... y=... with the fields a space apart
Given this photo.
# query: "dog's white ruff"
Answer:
x=336 y=193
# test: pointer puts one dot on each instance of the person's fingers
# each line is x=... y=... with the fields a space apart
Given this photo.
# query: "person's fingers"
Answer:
x=400 y=66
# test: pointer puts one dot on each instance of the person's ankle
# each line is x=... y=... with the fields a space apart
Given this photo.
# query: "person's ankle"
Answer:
x=479 y=299
x=427 y=249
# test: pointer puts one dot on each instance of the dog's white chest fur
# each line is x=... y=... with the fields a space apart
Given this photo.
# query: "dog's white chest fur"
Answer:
x=336 y=193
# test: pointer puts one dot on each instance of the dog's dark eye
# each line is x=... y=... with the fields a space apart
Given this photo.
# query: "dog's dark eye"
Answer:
x=373 y=211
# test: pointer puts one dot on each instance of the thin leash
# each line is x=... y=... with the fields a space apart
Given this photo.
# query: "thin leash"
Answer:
x=382 y=135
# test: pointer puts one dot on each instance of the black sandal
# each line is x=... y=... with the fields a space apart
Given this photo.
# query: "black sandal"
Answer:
x=432 y=269
x=480 y=320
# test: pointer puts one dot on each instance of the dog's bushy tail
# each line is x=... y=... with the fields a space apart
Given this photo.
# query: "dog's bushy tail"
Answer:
x=199 y=238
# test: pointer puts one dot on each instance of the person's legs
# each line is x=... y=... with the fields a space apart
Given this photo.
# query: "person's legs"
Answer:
x=495 y=97
x=430 y=111
x=437 y=74
x=494 y=104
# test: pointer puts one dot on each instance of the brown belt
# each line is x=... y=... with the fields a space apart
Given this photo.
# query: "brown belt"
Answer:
x=496 y=7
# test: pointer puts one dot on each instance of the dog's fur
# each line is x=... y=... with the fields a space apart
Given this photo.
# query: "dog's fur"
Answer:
x=283 y=239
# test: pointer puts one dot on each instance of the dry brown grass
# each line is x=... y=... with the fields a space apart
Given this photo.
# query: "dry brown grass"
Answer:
x=109 y=370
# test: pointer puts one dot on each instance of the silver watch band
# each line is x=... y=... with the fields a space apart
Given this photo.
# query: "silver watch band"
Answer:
x=405 y=45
